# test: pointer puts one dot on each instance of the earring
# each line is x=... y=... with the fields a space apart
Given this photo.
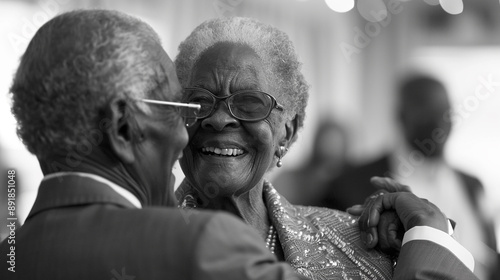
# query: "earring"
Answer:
x=282 y=151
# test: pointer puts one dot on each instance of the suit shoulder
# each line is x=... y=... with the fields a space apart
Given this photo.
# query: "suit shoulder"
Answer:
x=175 y=212
x=187 y=216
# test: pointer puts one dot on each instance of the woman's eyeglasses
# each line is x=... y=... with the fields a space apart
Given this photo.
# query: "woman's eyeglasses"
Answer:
x=188 y=111
x=246 y=105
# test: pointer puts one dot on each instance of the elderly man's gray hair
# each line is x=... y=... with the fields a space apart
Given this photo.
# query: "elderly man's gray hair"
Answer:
x=75 y=64
x=270 y=44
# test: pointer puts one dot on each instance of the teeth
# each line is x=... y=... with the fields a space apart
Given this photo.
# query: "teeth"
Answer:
x=222 y=152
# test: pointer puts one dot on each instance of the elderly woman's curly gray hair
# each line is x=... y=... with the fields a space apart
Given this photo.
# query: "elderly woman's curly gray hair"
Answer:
x=75 y=64
x=272 y=45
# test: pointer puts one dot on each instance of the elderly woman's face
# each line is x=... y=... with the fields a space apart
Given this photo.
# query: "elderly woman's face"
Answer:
x=227 y=156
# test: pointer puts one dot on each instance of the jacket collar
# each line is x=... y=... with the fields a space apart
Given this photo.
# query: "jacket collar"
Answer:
x=72 y=189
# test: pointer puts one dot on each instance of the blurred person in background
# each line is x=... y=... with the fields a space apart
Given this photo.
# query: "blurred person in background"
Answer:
x=307 y=184
x=95 y=97
x=424 y=115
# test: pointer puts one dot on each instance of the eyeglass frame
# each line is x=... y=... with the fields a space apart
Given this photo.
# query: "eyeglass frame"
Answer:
x=275 y=104
x=175 y=104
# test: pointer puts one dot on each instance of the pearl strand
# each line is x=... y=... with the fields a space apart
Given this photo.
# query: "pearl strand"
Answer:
x=271 y=239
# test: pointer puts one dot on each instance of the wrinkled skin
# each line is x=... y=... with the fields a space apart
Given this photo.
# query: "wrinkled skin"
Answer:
x=234 y=183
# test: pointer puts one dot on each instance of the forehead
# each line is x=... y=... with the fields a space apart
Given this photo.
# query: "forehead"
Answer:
x=229 y=62
x=229 y=55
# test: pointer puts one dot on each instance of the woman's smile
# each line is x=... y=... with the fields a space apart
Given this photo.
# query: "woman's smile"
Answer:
x=215 y=150
x=226 y=152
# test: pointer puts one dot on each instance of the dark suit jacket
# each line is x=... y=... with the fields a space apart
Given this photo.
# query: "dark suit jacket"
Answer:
x=354 y=186
x=81 y=229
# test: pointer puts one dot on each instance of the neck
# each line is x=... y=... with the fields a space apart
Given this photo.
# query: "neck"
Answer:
x=99 y=162
x=249 y=206
x=435 y=156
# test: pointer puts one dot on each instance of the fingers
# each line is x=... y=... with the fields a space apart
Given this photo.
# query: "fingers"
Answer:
x=384 y=185
x=373 y=208
x=388 y=184
x=369 y=219
x=355 y=210
x=411 y=210
x=390 y=233
x=369 y=237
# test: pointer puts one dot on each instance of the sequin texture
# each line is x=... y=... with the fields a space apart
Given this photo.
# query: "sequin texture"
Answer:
x=318 y=243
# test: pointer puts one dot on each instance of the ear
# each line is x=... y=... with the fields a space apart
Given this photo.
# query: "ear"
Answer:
x=291 y=127
x=120 y=132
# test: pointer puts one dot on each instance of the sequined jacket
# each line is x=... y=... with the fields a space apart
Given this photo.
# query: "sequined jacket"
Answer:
x=319 y=243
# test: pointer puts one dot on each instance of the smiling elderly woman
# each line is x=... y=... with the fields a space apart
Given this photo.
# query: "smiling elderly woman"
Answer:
x=247 y=78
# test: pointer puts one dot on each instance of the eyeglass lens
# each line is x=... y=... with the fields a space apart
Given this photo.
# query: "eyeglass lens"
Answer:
x=189 y=114
x=247 y=105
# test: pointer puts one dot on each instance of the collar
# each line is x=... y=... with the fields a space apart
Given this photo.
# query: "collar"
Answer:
x=121 y=191
x=72 y=188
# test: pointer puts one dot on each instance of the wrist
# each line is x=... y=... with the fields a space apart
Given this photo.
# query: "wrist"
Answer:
x=439 y=222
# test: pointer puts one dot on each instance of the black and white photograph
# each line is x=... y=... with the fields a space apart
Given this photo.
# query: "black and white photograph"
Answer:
x=250 y=139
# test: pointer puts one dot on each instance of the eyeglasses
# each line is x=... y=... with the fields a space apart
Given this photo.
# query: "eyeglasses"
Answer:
x=246 y=105
x=188 y=112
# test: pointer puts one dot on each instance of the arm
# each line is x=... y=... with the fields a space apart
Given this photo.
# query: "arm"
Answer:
x=428 y=251
x=420 y=259
x=229 y=249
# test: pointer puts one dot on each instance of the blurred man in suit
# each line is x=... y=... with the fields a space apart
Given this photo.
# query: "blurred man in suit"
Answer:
x=424 y=114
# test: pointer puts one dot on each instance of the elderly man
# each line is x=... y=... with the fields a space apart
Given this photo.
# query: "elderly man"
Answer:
x=84 y=97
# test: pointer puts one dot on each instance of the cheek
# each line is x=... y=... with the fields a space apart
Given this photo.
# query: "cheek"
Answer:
x=188 y=154
x=172 y=142
x=183 y=137
x=265 y=143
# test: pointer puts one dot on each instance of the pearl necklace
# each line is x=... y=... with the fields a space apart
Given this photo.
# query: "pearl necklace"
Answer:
x=271 y=239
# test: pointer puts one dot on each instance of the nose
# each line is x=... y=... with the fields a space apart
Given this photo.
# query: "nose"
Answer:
x=220 y=119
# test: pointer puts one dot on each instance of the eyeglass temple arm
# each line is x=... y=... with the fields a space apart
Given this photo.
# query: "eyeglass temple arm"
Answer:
x=178 y=104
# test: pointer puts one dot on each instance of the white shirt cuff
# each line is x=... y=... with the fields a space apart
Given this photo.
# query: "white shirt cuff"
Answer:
x=441 y=238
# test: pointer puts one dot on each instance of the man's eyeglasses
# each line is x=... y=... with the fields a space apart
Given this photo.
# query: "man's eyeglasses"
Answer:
x=188 y=111
x=246 y=105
